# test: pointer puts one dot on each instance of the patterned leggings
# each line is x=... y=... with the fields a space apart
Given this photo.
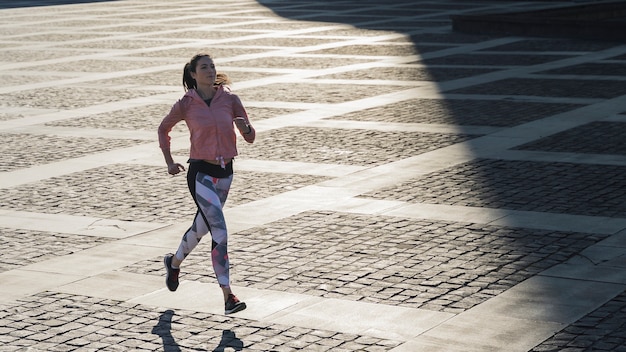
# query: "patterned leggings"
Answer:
x=210 y=195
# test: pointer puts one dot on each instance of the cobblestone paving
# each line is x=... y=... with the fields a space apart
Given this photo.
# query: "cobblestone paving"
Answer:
x=314 y=93
x=459 y=112
x=148 y=118
x=553 y=44
x=602 y=330
x=52 y=321
x=493 y=59
x=432 y=265
x=64 y=98
x=398 y=49
x=613 y=69
x=99 y=65
x=20 y=151
x=575 y=88
x=172 y=78
x=137 y=193
x=410 y=73
x=352 y=147
x=24 y=247
x=596 y=137
x=520 y=185
x=419 y=264
x=145 y=118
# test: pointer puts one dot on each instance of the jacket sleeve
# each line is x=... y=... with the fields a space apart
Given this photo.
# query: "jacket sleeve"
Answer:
x=240 y=111
x=171 y=119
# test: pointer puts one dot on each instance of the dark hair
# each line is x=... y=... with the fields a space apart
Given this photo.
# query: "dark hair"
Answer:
x=188 y=81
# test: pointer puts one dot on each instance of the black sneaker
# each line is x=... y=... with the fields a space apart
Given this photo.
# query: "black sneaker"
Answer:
x=233 y=305
x=171 y=278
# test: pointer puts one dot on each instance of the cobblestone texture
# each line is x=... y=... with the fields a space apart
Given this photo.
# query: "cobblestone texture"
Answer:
x=145 y=118
x=439 y=266
x=602 y=330
x=410 y=73
x=459 y=112
x=65 y=98
x=573 y=88
x=184 y=54
x=20 y=151
x=14 y=80
x=23 y=247
x=599 y=69
x=313 y=93
x=398 y=49
x=352 y=147
x=552 y=44
x=172 y=78
x=137 y=193
x=303 y=63
x=595 y=137
x=580 y=189
x=493 y=59
x=148 y=118
x=99 y=66
x=433 y=265
x=52 y=321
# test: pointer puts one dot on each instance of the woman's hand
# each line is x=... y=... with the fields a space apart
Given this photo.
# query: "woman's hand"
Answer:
x=175 y=168
x=242 y=125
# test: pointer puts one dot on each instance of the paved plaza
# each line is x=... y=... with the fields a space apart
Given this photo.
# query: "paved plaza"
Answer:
x=410 y=188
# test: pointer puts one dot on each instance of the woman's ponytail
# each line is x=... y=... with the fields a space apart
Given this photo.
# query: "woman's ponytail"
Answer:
x=188 y=81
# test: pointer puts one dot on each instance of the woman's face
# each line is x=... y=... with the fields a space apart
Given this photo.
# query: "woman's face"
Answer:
x=205 y=71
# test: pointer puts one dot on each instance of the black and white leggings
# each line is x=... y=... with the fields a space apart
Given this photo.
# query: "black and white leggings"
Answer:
x=210 y=194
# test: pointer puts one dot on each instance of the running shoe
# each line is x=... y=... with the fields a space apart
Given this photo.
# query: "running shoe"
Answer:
x=171 y=278
x=234 y=305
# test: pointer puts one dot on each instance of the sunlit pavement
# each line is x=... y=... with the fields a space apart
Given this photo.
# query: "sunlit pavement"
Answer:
x=410 y=188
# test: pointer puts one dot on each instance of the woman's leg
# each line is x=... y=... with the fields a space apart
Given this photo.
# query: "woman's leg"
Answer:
x=210 y=196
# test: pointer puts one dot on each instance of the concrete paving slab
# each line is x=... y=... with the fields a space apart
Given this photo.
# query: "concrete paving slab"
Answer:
x=23 y=282
x=117 y=285
x=482 y=334
x=549 y=299
x=377 y=320
x=449 y=213
x=204 y=297
x=603 y=255
x=588 y=272
x=562 y=222
x=166 y=237
x=297 y=168
x=386 y=70
x=96 y=260
x=79 y=225
x=369 y=206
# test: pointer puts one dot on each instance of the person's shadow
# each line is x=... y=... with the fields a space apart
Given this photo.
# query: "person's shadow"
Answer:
x=229 y=340
x=164 y=330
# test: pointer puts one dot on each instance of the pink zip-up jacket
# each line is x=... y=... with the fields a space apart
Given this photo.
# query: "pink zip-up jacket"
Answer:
x=212 y=132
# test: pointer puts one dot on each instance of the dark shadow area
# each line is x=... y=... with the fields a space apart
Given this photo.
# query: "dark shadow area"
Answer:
x=229 y=340
x=548 y=187
x=9 y=4
x=164 y=330
x=597 y=21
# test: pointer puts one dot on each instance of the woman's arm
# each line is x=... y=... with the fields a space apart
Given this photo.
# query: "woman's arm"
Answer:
x=165 y=127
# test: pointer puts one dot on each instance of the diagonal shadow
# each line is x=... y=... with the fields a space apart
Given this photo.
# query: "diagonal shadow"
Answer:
x=164 y=330
x=500 y=183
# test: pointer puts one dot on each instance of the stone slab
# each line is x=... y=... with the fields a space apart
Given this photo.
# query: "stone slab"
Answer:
x=79 y=225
